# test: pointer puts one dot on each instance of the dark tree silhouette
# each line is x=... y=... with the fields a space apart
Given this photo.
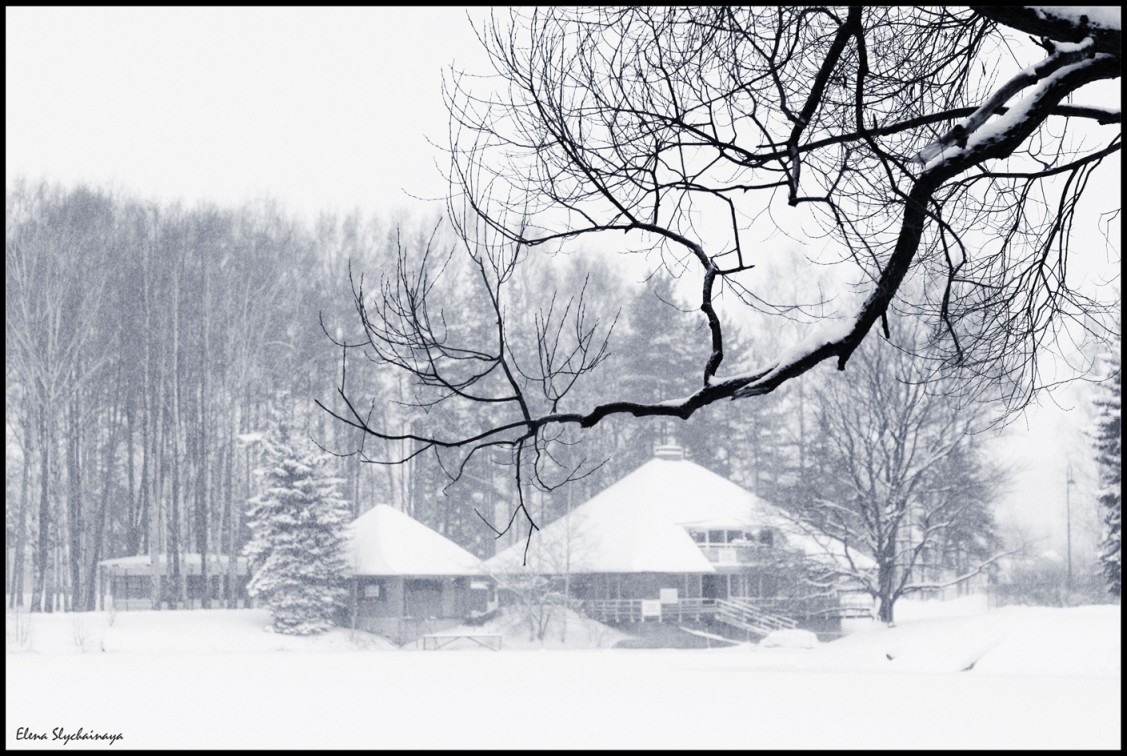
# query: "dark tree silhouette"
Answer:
x=928 y=145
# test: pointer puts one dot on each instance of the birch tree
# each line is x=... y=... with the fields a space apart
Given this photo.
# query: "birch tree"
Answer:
x=56 y=251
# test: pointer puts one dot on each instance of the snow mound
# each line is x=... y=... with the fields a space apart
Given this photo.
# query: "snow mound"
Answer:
x=196 y=631
x=789 y=639
x=1085 y=640
x=1013 y=640
x=964 y=606
x=563 y=629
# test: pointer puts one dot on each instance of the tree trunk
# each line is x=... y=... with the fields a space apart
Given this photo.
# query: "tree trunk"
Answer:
x=177 y=521
x=16 y=594
x=201 y=449
x=133 y=533
x=174 y=545
x=150 y=425
x=152 y=494
x=884 y=614
x=93 y=585
x=886 y=580
x=232 y=529
x=42 y=556
x=74 y=505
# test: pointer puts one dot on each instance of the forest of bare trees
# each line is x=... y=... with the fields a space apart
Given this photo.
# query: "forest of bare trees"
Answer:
x=149 y=346
x=146 y=344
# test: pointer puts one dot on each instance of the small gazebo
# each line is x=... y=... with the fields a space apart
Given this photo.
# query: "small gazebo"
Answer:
x=408 y=580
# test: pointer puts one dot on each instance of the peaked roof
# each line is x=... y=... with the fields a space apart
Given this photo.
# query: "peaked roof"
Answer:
x=144 y=560
x=641 y=524
x=141 y=564
x=385 y=541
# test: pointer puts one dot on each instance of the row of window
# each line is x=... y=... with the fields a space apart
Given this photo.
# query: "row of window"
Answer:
x=141 y=586
x=764 y=536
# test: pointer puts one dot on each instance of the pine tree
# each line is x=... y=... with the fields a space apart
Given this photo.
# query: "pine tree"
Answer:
x=1109 y=455
x=296 y=548
x=661 y=351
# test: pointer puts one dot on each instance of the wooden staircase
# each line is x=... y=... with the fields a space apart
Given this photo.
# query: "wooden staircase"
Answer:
x=735 y=614
x=742 y=614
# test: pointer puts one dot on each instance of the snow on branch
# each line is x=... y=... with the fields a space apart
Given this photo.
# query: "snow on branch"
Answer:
x=1065 y=24
x=961 y=133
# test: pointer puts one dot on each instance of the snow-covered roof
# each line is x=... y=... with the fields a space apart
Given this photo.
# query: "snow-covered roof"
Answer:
x=641 y=524
x=190 y=562
x=385 y=541
x=597 y=539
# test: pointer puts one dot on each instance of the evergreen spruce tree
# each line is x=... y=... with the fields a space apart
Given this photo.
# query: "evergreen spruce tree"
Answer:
x=1109 y=454
x=663 y=351
x=296 y=548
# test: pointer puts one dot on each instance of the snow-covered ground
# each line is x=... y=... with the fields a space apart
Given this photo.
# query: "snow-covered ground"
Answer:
x=945 y=677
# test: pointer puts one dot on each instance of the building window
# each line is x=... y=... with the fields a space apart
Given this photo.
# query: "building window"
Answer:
x=699 y=536
x=766 y=537
x=372 y=590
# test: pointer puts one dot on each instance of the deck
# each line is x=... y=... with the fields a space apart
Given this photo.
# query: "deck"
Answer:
x=753 y=616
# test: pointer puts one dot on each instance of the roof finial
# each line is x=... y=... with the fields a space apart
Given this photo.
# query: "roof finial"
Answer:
x=668 y=448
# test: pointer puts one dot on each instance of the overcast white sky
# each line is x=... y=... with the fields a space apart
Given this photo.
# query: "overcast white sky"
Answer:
x=318 y=108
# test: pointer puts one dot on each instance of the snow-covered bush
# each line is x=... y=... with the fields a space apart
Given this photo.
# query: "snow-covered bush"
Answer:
x=17 y=630
x=1043 y=581
x=795 y=638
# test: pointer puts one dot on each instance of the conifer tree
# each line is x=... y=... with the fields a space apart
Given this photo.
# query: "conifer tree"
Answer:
x=1109 y=454
x=296 y=548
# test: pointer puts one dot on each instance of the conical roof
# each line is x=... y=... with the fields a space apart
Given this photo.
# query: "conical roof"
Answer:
x=641 y=524
x=385 y=541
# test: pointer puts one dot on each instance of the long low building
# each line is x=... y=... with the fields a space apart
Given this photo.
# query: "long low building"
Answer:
x=127 y=582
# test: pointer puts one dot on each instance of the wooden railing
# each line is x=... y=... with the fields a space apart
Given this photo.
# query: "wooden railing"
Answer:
x=736 y=610
x=845 y=605
x=744 y=614
x=756 y=615
x=631 y=610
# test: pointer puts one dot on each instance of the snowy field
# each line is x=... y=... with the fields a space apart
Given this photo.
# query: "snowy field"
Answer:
x=1011 y=678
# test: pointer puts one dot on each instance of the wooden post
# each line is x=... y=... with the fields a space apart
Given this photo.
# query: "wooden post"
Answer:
x=355 y=600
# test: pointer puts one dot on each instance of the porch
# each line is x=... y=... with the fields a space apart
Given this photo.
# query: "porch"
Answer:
x=405 y=608
x=739 y=613
x=752 y=615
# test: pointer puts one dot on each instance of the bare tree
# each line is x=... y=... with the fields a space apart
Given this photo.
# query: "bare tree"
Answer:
x=893 y=137
x=56 y=249
x=478 y=358
x=899 y=477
